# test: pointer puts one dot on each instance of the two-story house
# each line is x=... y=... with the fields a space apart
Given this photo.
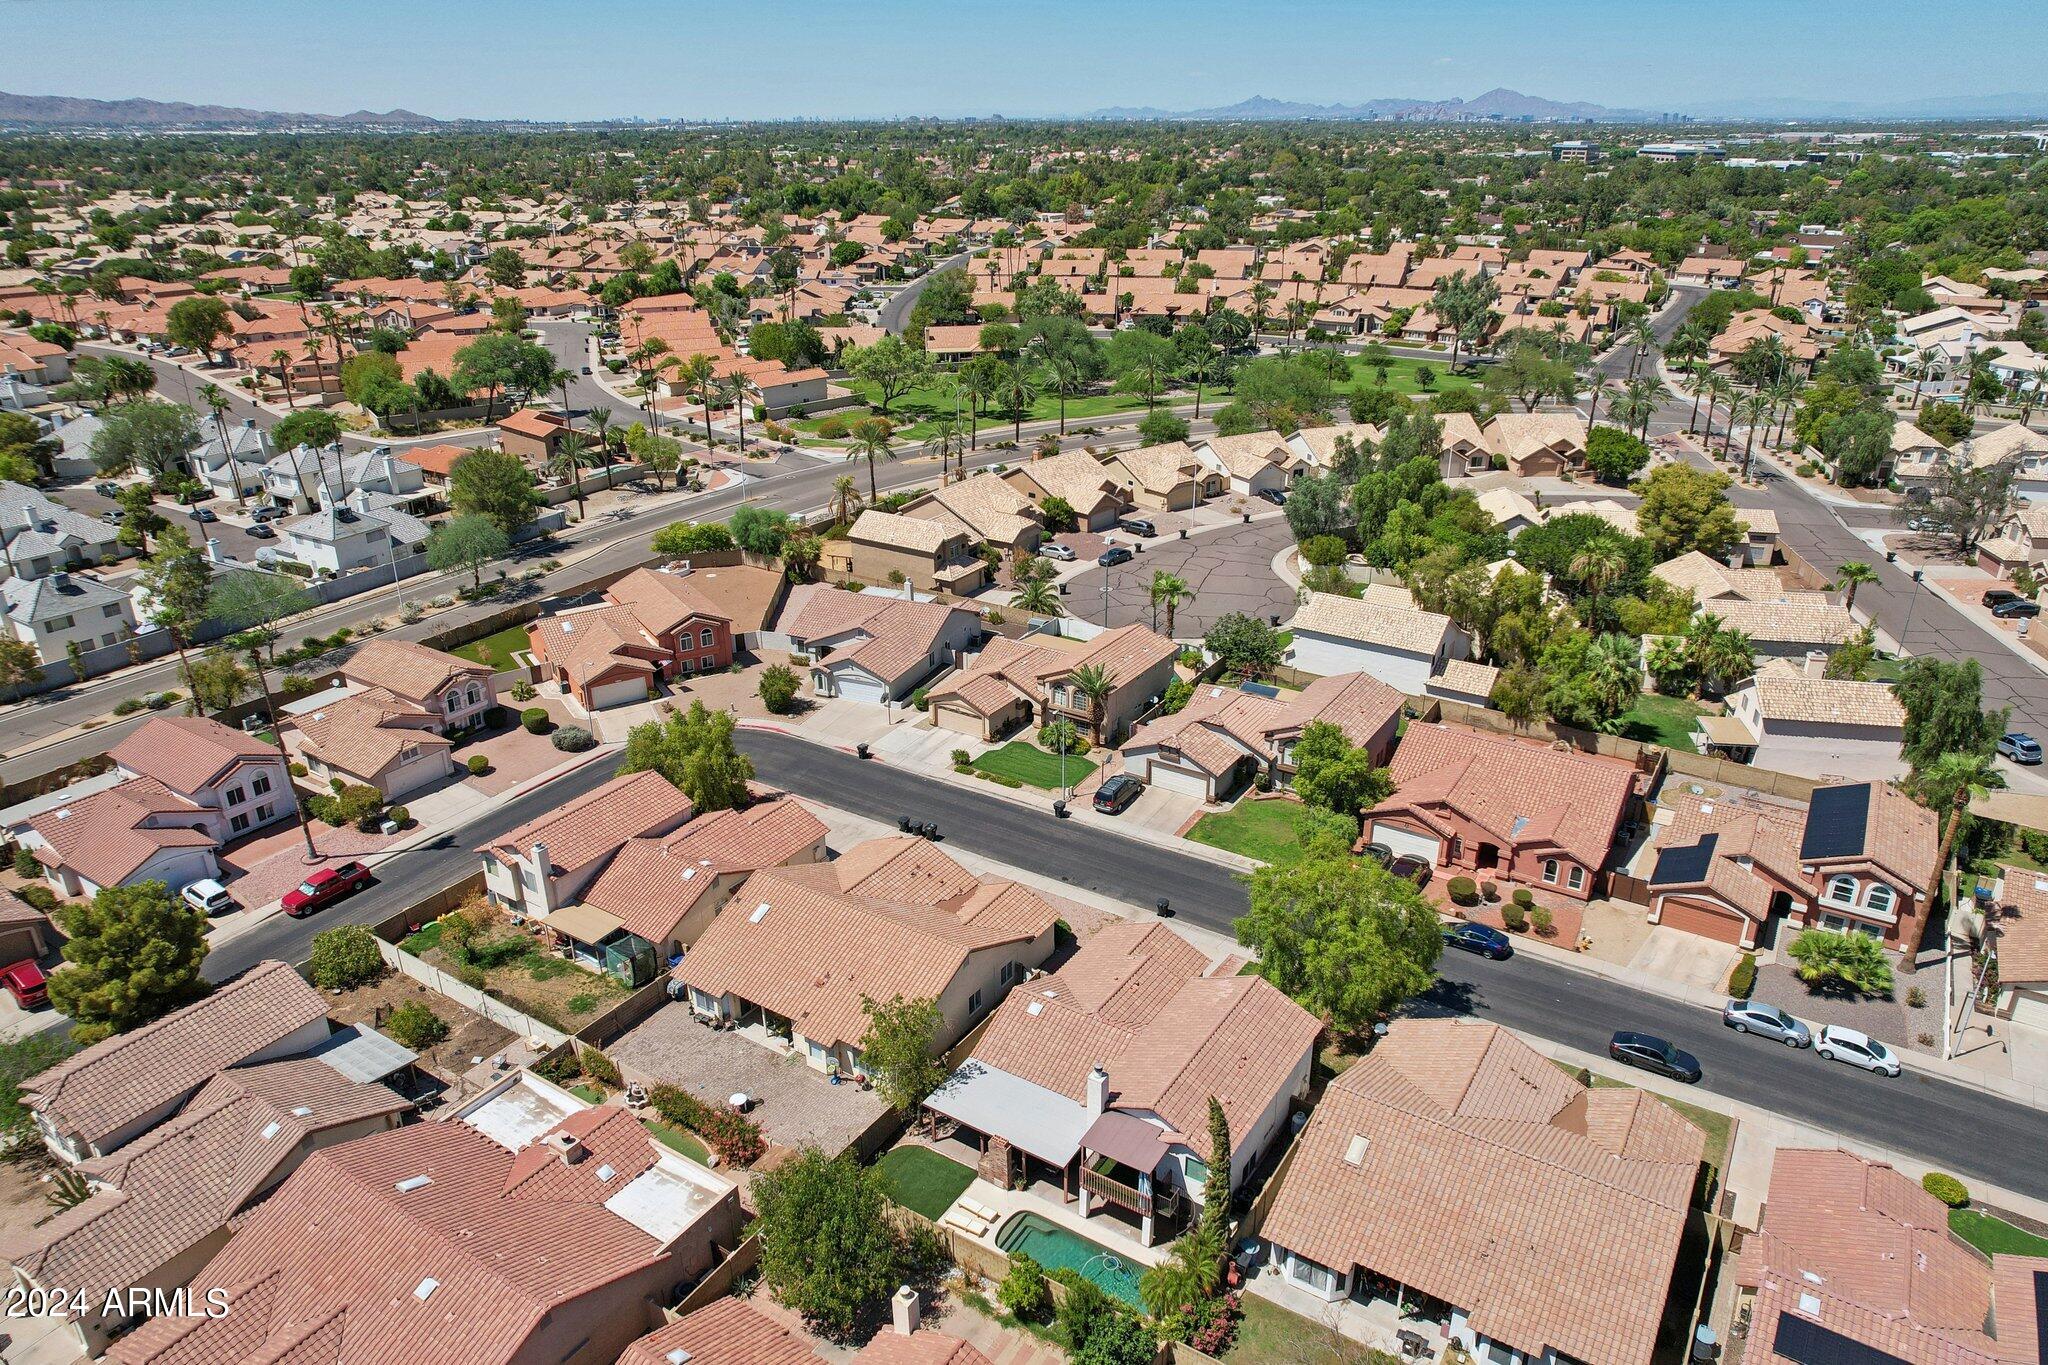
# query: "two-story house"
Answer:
x=63 y=609
x=871 y=646
x=233 y=464
x=551 y=861
x=1401 y=645
x=365 y=530
x=653 y=624
x=1011 y=682
x=1225 y=737
x=39 y=535
x=457 y=693
x=1791 y=718
x=928 y=554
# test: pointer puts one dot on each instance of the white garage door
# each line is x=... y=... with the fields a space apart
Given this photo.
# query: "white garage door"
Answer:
x=618 y=693
x=859 y=687
x=1168 y=778
x=1422 y=846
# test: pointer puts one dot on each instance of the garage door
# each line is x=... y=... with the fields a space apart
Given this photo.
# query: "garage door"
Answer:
x=1703 y=920
x=856 y=687
x=1423 y=846
x=618 y=693
x=1168 y=778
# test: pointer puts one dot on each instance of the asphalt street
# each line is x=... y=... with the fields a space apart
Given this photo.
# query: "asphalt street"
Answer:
x=1976 y=1134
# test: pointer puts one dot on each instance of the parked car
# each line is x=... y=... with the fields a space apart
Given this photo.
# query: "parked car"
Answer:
x=208 y=897
x=1479 y=938
x=262 y=531
x=112 y=517
x=2020 y=747
x=107 y=488
x=204 y=514
x=1272 y=495
x=1137 y=526
x=1654 y=1055
x=1380 y=854
x=267 y=512
x=25 y=982
x=1115 y=796
x=1052 y=549
x=1415 y=869
x=1839 y=1044
x=324 y=887
x=1766 y=1021
x=2009 y=611
x=2000 y=596
x=1115 y=554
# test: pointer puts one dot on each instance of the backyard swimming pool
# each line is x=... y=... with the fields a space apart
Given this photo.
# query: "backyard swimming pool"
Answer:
x=1055 y=1248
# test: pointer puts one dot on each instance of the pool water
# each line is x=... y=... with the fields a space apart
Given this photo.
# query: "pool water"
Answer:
x=1055 y=1248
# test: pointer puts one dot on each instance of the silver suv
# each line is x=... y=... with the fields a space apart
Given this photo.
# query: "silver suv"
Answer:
x=1768 y=1021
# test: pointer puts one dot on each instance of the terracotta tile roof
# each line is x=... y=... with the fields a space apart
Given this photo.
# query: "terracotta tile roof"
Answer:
x=1598 y=1179
x=1705 y=844
x=332 y=1266
x=405 y=669
x=2022 y=925
x=1371 y=623
x=1898 y=834
x=922 y=1347
x=597 y=824
x=591 y=642
x=891 y=635
x=186 y=752
x=663 y=601
x=1137 y=999
x=106 y=837
x=1526 y=794
x=1078 y=477
x=365 y=733
x=654 y=882
x=1160 y=469
x=114 y=1083
x=535 y=422
x=724 y=1332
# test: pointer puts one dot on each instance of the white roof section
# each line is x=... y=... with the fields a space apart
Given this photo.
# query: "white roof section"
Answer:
x=1042 y=1122
x=664 y=1200
x=514 y=1115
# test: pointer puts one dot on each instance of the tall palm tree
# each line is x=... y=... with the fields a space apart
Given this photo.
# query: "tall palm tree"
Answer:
x=1016 y=392
x=1699 y=382
x=648 y=360
x=572 y=456
x=1169 y=592
x=1600 y=390
x=1599 y=569
x=1643 y=337
x=1784 y=394
x=1850 y=576
x=313 y=349
x=1039 y=597
x=600 y=422
x=1724 y=391
x=283 y=360
x=977 y=386
x=1062 y=375
x=1644 y=393
x=947 y=441
x=1946 y=786
x=1756 y=412
x=1093 y=683
x=739 y=390
x=698 y=376
x=845 y=497
x=217 y=404
x=871 y=442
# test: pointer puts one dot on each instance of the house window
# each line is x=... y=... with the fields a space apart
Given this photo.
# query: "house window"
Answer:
x=1320 y=1278
x=111 y=609
x=1575 y=877
x=1880 y=898
x=58 y=623
x=1550 y=870
x=455 y=699
x=683 y=666
x=974 y=1003
x=1457 y=847
x=265 y=812
x=259 y=784
x=705 y=637
x=1842 y=889
x=707 y=663
x=1009 y=972
x=236 y=796
x=475 y=694
x=238 y=823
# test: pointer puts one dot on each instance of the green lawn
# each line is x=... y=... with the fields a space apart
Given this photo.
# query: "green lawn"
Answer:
x=1270 y=1335
x=1267 y=830
x=429 y=936
x=912 y=413
x=589 y=1094
x=921 y=1180
x=496 y=650
x=1994 y=1235
x=1662 y=720
x=1401 y=376
x=1028 y=763
x=677 y=1140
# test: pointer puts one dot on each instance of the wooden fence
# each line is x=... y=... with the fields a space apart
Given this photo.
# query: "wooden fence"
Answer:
x=719 y=1280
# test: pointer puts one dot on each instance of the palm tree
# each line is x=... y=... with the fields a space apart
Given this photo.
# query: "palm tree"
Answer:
x=217 y=404
x=1689 y=344
x=976 y=385
x=572 y=457
x=648 y=360
x=1093 y=683
x=1756 y=411
x=947 y=441
x=1851 y=576
x=698 y=376
x=736 y=388
x=845 y=496
x=1947 y=786
x=283 y=360
x=1720 y=657
x=1724 y=390
x=1063 y=377
x=1644 y=393
x=1599 y=569
x=871 y=442
x=600 y=422
x=1600 y=390
x=1784 y=394
x=1643 y=337
x=1016 y=392
x=1169 y=592
x=1699 y=382
x=312 y=347
x=1039 y=597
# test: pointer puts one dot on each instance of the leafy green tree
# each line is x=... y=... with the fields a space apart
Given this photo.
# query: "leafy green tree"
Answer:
x=1335 y=774
x=690 y=538
x=761 y=530
x=1161 y=426
x=133 y=955
x=1023 y=1292
x=891 y=366
x=156 y=438
x=694 y=750
x=1945 y=712
x=219 y=680
x=344 y=957
x=1247 y=646
x=497 y=485
x=198 y=322
x=900 y=1050
x=778 y=688
x=313 y=427
x=1058 y=514
x=830 y=1250
x=1615 y=455
x=1854 y=960
x=498 y=363
x=177 y=580
x=469 y=541
x=1684 y=508
x=20 y=665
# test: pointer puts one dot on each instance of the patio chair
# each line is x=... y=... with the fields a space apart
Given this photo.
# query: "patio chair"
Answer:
x=981 y=1211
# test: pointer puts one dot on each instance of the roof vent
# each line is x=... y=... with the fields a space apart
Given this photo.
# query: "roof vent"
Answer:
x=413 y=1182
x=301 y=1111
x=1706 y=808
x=567 y=1146
x=64 y=813
x=1809 y=1304
x=424 y=1290
x=689 y=872
x=760 y=913
x=271 y=1130
x=1354 y=1155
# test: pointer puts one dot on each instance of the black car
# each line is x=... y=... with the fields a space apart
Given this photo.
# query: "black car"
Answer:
x=1998 y=597
x=2020 y=747
x=1272 y=495
x=1115 y=796
x=1480 y=939
x=1379 y=853
x=262 y=531
x=1415 y=869
x=107 y=489
x=1115 y=554
x=1138 y=526
x=2019 y=607
x=1654 y=1055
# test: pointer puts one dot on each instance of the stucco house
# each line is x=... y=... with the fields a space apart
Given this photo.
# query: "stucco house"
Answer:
x=1011 y=682
x=1790 y=718
x=1225 y=737
x=1402 y=646
x=874 y=647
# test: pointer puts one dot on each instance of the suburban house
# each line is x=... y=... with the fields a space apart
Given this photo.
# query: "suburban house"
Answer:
x=2019 y=542
x=1860 y=857
x=1916 y=458
x=1711 y=582
x=1380 y=1199
x=2018 y=925
x=1077 y=478
x=188 y=785
x=1014 y=681
x=363 y=530
x=372 y=739
x=96 y=1101
x=653 y=624
x=1536 y=444
x=529 y=1227
x=62 y=609
x=1165 y=478
x=1257 y=462
x=306 y=479
x=551 y=861
x=162 y=1205
x=231 y=463
x=874 y=647
x=1097 y=1078
x=457 y=693
x=1854 y=1261
x=1795 y=626
x=1402 y=646
x=1791 y=718
x=799 y=948
x=1507 y=808
x=1320 y=447
x=929 y=554
x=39 y=535
x=1225 y=737
x=990 y=511
x=533 y=434
x=25 y=932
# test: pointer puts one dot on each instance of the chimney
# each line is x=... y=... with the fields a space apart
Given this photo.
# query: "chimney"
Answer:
x=1816 y=663
x=1098 y=1091
x=903 y=1310
x=567 y=1147
x=60 y=579
x=359 y=498
x=541 y=867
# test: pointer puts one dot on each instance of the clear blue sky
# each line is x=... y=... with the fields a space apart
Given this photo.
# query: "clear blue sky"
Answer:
x=582 y=59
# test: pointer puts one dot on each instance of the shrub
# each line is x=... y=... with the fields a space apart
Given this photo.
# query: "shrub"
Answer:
x=523 y=691
x=1489 y=891
x=919 y=697
x=127 y=706
x=735 y=1137
x=832 y=427
x=415 y=1026
x=25 y=864
x=1742 y=980
x=1462 y=891
x=559 y=1067
x=572 y=739
x=1023 y=1290
x=1916 y=998
x=1524 y=898
x=345 y=957
x=1322 y=551
x=478 y=765
x=1545 y=922
x=779 y=688
x=39 y=896
x=535 y=720
x=299 y=769
x=962 y=759
x=1946 y=1188
x=1514 y=917
x=599 y=1067
x=1850 y=960
x=677 y=1106
x=398 y=815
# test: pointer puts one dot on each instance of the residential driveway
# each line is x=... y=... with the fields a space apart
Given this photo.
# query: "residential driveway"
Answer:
x=834 y=721
x=1158 y=811
x=1687 y=959
x=925 y=746
x=794 y=1105
x=1228 y=570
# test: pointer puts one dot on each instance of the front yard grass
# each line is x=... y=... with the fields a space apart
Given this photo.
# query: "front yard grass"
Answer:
x=1662 y=720
x=1267 y=830
x=1401 y=376
x=495 y=651
x=923 y=1181
x=1025 y=762
x=1993 y=1236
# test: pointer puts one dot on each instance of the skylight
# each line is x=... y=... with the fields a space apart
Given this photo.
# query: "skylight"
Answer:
x=1354 y=1155
x=413 y=1182
x=760 y=913
x=425 y=1289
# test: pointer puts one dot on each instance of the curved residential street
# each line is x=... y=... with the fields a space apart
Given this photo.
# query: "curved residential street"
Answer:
x=1228 y=570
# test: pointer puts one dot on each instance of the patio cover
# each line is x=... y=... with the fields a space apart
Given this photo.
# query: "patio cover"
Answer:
x=1127 y=1139
x=363 y=1054
x=584 y=923
x=1029 y=1117
x=1726 y=730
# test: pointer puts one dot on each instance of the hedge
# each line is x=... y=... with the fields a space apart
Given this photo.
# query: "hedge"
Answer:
x=1742 y=980
x=1462 y=891
x=1946 y=1188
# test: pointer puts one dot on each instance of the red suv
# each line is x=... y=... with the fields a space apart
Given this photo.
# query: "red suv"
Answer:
x=24 y=981
x=327 y=885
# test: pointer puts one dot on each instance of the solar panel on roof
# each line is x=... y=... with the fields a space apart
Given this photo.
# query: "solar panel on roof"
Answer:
x=1805 y=1342
x=1836 y=822
x=1676 y=866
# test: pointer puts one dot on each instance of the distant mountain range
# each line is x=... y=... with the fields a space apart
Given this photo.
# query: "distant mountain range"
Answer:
x=1493 y=106
x=62 y=111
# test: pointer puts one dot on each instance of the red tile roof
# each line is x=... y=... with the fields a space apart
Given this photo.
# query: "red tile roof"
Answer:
x=186 y=752
x=106 y=837
x=654 y=883
x=724 y=1332
x=598 y=823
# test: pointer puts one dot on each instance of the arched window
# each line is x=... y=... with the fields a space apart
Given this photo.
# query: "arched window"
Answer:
x=1842 y=889
x=1880 y=898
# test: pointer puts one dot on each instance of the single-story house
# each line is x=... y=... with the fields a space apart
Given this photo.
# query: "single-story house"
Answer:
x=1791 y=718
x=929 y=554
x=1224 y=737
x=1093 y=489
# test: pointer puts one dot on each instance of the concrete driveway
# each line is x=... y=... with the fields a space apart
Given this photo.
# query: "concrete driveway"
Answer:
x=1687 y=959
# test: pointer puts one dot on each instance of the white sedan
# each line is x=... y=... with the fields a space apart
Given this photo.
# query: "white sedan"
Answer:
x=1857 y=1049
